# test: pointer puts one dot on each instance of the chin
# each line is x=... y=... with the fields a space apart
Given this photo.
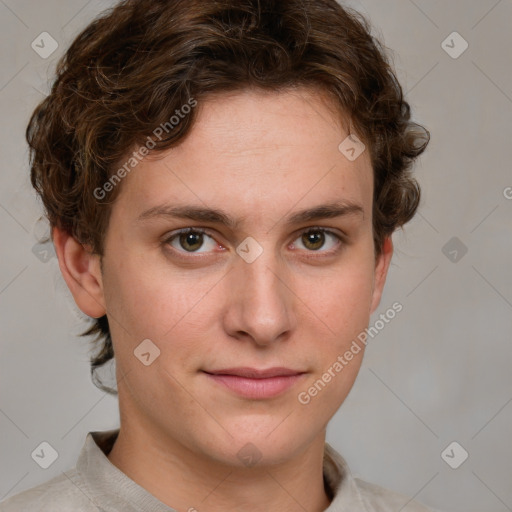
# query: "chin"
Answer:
x=258 y=448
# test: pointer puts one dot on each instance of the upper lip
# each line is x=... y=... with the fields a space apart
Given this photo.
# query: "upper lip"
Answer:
x=253 y=373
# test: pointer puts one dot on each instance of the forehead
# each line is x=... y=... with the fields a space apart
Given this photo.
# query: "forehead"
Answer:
x=259 y=152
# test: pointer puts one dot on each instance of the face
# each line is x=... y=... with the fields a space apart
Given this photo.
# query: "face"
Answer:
x=270 y=288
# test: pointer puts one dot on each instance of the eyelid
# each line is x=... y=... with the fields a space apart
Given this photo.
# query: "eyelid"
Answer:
x=331 y=231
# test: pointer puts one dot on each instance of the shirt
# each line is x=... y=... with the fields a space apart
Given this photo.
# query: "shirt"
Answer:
x=95 y=484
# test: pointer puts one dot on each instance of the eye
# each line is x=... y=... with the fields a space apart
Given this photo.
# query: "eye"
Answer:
x=191 y=240
x=197 y=241
x=316 y=238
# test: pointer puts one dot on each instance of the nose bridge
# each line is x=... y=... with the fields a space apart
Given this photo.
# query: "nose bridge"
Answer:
x=263 y=307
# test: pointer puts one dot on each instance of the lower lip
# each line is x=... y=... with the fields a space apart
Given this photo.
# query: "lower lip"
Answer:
x=257 y=388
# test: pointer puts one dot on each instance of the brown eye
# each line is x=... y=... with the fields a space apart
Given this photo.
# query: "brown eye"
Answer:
x=191 y=240
x=319 y=238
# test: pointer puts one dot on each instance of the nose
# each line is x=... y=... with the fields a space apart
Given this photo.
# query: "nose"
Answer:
x=261 y=302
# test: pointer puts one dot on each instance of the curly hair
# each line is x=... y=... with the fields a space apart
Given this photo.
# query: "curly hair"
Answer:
x=141 y=61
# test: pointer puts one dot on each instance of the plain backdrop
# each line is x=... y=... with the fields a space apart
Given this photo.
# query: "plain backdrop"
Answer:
x=438 y=373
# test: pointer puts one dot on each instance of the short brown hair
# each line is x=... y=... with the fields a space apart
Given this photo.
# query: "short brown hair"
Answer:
x=139 y=62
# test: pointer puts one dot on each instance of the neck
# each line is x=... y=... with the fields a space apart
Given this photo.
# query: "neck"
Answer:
x=188 y=481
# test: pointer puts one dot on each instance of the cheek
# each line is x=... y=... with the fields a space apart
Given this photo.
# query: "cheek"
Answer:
x=344 y=308
x=151 y=300
x=341 y=300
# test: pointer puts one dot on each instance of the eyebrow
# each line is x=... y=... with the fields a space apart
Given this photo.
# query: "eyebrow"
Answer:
x=216 y=216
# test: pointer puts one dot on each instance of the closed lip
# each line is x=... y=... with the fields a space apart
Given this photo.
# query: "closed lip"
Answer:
x=253 y=373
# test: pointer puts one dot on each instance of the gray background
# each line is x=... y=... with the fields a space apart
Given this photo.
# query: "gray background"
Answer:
x=439 y=372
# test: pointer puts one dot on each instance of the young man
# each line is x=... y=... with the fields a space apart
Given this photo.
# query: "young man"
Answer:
x=223 y=179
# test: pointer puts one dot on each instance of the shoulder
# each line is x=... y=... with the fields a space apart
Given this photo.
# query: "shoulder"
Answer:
x=384 y=500
x=63 y=493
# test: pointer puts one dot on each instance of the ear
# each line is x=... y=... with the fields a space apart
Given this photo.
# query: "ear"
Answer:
x=81 y=270
x=381 y=272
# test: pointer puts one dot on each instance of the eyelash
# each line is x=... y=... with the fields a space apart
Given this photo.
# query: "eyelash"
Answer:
x=311 y=229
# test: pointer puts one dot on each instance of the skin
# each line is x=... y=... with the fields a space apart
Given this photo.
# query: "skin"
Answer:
x=260 y=157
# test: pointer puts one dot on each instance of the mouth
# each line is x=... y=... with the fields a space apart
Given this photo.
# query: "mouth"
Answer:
x=256 y=384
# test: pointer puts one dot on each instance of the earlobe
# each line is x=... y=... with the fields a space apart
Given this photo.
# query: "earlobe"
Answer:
x=81 y=270
x=381 y=272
